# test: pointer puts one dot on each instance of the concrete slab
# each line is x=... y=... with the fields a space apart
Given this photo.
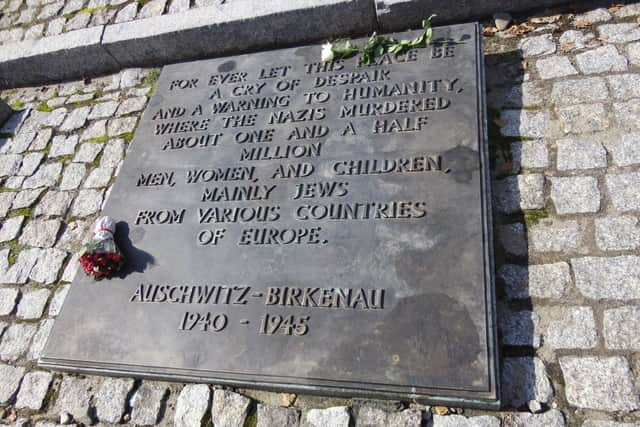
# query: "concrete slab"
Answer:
x=69 y=55
x=235 y=27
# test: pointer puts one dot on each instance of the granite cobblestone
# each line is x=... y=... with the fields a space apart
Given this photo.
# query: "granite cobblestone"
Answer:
x=578 y=134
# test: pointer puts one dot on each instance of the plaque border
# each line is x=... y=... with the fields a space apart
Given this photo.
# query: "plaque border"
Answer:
x=488 y=397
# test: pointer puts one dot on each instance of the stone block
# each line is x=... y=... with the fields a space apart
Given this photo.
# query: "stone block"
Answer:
x=537 y=281
x=370 y=416
x=10 y=378
x=58 y=299
x=146 y=403
x=623 y=190
x=48 y=265
x=552 y=418
x=337 y=416
x=575 y=194
x=32 y=304
x=537 y=45
x=520 y=329
x=574 y=40
x=230 y=409
x=624 y=86
x=40 y=339
x=595 y=15
x=616 y=278
x=461 y=421
x=585 y=118
x=619 y=33
x=622 y=328
x=75 y=395
x=65 y=56
x=530 y=154
x=16 y=340
x=8 y=297
x=625 y=151
x=557 y=236
x=33 y=390
x=573 y=327
x=234 y=26
x=617 y=233
x=521 y=192
x=524 y=379
x=601 y=60
x=628 y=114
x=192 y=404
x=513 y=239
x=633 y=53
x=277 y=416
x=598 y=423
x=554 y=67
x=580 y=154
x=111 y=399
x=600 y=383
x=524 y=123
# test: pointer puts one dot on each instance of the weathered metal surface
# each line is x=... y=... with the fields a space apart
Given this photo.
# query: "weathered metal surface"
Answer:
x=292 y=226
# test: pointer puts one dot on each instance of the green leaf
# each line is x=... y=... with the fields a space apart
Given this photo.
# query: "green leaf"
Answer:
x=377 y=45
x=344 y=48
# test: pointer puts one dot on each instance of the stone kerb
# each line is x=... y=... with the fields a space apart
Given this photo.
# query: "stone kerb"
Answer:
x=223 y=28
x=212 y=31
x=65 y=56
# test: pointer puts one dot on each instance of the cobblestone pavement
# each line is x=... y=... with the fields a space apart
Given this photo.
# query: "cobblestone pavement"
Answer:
x=564 y=102
x=34 y=19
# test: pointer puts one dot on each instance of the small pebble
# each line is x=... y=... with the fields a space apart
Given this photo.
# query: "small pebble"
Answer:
x=502 y=20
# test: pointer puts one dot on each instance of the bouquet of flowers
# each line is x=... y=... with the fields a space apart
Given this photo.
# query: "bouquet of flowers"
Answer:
x=101 y=257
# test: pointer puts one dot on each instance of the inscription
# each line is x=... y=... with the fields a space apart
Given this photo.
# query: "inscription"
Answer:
x=237 y=193
x=275 y=296
x=294 y=170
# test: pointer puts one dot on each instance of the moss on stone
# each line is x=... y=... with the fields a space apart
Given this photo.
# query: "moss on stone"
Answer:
x=534 y=217
x=45 y=107
x=103 y=138
x=251 y=420
x=127 y=136
x=14 y=249
x=20 y=212
x=151 y=78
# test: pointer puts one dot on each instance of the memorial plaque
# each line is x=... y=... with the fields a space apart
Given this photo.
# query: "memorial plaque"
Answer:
x=304 y=226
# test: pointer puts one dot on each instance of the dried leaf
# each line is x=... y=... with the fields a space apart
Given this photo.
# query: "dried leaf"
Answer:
x=583 y=24
x=489 y=31
x=10 y=415
x=500 y=122
x=545 y=19
x=440 y=410
x=615 y=8
x=518 y=30
x=288 y=399
x=567 y=47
